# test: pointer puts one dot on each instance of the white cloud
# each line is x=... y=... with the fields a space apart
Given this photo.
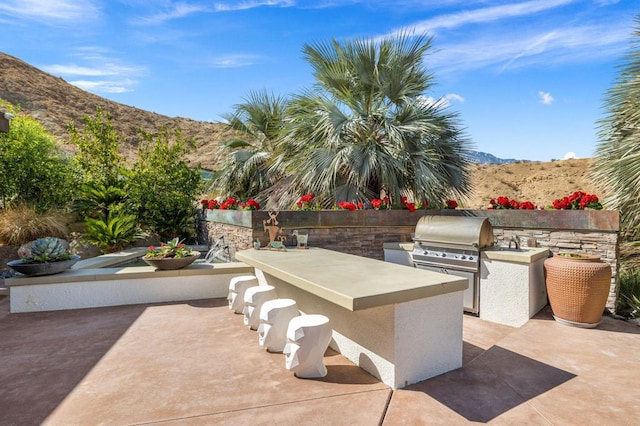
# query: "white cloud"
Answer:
x=545 y=98
x=72 y=69
x=251 y=4
x=454 y=97
x=50 y=11
x=102 y=73
x=443 y=102
x=569 y=155
x=488 y=14
x=104 y=86
x=232 y=61
x=177 y=11
x=536 y=46
x=181 y=10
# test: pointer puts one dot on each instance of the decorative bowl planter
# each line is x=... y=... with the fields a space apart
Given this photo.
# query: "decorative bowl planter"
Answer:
x=45 y=268
x=578 y=288
x=169 y=263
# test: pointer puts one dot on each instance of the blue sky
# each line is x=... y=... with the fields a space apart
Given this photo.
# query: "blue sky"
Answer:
x=528 y=78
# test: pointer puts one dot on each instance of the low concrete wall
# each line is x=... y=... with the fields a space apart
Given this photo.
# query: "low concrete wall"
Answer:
x=90 y=288
x=363 y=232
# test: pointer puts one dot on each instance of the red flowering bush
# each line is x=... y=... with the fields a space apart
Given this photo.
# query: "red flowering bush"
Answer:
x=577 y=201
x=379 y=204
x=505 y=203
x=210 y=204
x=348 y=205
x=407 y=205
x=230 y=203
x=251 y=204
x=305 y=203
x=450 y=204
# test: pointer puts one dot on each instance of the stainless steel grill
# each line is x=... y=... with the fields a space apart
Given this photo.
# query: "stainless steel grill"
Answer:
x=452 y=245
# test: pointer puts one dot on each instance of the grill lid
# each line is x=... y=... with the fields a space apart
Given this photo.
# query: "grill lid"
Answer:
x=455 y=230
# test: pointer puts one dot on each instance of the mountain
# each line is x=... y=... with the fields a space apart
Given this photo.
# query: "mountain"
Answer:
x=478 y=157
x=55 y=103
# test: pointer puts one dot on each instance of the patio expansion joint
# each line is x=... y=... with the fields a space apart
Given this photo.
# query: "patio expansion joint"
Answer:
x=386 y=408
x=280 y=404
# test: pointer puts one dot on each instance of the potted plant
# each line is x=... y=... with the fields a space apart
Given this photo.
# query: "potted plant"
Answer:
x=578 y=287
x=171 y=255
x=44 y=256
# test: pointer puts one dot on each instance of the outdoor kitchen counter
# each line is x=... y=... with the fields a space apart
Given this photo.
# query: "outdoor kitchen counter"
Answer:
x=350 y=281
x=402 y=325
x=521 y=255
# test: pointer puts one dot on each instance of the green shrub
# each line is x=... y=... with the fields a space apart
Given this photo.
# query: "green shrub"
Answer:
x=32 y=169
x=97 y=157
x=96 y=199
x=163 y=189
x=113 y=232
x=629 y=295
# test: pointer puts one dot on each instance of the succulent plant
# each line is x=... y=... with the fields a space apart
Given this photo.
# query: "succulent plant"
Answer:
x=48 y=249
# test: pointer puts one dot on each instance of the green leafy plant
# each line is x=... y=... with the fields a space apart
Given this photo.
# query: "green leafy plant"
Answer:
x=629 y=296
x=162 y=188
x=97 y=157
x=32 y=169
x=113 y=232
x=97 y=199
x=174 y=249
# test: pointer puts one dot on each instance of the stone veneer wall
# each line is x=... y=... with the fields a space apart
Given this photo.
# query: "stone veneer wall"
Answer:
x=364 y=232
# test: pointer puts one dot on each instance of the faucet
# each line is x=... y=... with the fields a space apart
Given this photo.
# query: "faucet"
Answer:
x=516 y=241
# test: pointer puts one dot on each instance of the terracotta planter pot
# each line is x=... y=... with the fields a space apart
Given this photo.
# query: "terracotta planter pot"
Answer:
x=578 y=288
x=172 y=263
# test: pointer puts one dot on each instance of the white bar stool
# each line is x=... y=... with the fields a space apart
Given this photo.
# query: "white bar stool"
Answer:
x=237 y=288
x=308 y=337
x=254 y=297
x=274 y=320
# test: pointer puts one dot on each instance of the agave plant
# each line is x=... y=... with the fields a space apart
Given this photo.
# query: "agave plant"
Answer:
x=42 y=250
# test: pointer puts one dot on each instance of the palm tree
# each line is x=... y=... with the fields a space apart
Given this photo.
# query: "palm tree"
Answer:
x=367 y=125
x=248 y=166
x=617 y=164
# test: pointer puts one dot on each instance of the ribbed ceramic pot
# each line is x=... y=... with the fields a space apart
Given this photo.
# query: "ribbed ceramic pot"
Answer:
x=578 y=288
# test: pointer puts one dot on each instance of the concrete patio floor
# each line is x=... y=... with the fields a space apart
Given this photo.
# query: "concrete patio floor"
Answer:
x=195 y=363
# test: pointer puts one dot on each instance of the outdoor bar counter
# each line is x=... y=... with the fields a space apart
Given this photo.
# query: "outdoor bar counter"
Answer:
x=402 y=325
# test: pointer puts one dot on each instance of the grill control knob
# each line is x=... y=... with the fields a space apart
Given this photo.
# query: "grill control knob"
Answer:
x=444 y=255
x=463 y=257
x=470 y=257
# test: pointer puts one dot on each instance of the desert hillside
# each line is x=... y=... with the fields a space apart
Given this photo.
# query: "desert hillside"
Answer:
x=538 y=182
x=55 y=103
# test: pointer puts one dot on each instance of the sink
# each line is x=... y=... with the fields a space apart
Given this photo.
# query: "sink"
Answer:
x=515 y=250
